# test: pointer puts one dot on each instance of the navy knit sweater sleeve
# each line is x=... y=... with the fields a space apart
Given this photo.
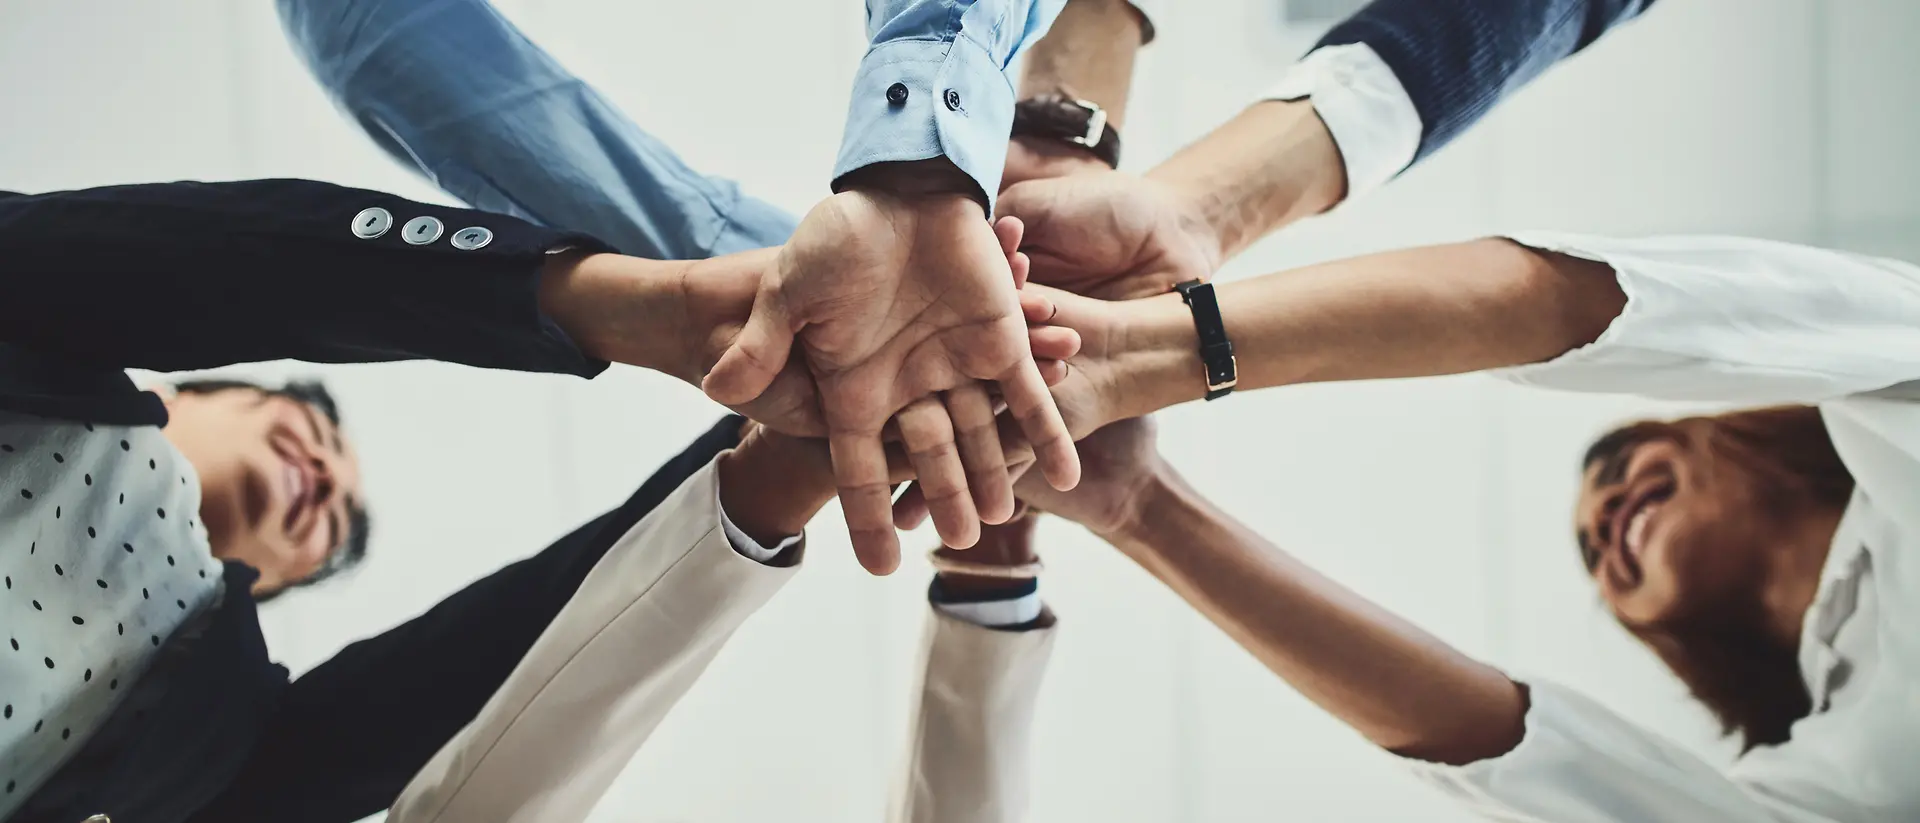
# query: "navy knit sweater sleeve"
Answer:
x=1457 y=58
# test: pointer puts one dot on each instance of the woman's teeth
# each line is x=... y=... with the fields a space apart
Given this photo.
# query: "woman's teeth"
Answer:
x=1637 y=528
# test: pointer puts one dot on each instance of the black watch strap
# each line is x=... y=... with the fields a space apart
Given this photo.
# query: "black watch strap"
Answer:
x=1076 y=122
x=1216 y=351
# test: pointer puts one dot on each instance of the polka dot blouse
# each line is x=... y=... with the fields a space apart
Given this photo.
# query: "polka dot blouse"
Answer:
x=103 y=557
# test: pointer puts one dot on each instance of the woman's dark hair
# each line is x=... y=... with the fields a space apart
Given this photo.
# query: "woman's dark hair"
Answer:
x=1747 y=676
x=313 y=393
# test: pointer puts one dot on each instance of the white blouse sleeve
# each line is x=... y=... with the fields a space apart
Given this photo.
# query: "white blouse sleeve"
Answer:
x=1580 y=763
x=1740 y=320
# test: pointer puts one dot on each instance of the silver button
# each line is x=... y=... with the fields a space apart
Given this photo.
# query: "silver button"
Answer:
x=422 y=230
x=472 y=237
x=101 y=818
x=371 y=223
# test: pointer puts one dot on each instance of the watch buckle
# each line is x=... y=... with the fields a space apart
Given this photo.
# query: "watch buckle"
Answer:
x=1229 y=382
x=1096 y=123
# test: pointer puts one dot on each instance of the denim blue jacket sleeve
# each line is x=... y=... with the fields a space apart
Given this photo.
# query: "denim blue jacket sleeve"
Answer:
x=950 y=58
x=1458 y=58
x=451 y=88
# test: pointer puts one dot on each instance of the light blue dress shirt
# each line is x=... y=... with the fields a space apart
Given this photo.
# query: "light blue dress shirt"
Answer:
x=952 y=58
x=451 y=88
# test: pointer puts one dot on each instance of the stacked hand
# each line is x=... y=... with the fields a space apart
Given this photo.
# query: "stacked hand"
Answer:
x=1110 y=235
x=901 y=304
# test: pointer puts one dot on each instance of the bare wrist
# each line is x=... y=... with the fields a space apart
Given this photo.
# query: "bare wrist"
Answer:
x=1157 y=364
x=772 y=485
x=1274 y=163
x=618 y=308
x=1156 y=509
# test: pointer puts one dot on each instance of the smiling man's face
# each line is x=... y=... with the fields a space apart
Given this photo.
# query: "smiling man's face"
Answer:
x=279 y=483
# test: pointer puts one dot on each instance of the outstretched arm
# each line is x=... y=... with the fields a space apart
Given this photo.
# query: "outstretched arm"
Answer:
x=1384 y=89
x=1506 y=750
x=1689 y=318
x=455 y=90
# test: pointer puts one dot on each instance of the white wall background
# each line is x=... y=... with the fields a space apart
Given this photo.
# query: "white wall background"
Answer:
x=1447 y=499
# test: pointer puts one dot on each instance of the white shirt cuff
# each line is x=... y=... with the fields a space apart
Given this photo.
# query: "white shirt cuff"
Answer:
x=995 y=614
x=747 y=546
x=1372 y=119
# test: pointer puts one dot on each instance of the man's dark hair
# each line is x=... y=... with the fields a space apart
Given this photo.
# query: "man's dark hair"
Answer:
x=313 y=393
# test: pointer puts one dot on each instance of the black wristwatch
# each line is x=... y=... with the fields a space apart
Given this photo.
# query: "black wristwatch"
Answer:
x=1216 y=351
x=1078 y=122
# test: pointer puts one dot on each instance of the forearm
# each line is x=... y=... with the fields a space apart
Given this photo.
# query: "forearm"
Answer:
x=180 y=276
x=453 y=88
x=664 y=315
x=1273 y=164
x=1088 y=54
x=1420 y=312
x=1402 y=688
x=772 y=485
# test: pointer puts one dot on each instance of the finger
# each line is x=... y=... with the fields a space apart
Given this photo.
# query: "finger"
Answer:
x=1022 y=266
x=860 y=473
x=1032 y=406
x=1013 y=444
x=1036 y=306
x=1009 y=230
x=791 y=405
x=971 y=411
x=927 y=433
x=910 y=508
x=1054 y=371
x=756 y=357
x=1053 y=342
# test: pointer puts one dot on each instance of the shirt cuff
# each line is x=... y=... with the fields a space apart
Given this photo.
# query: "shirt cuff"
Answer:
x=747 y=546
x=958 y=105
x=1000 y=613
x=1356 y=94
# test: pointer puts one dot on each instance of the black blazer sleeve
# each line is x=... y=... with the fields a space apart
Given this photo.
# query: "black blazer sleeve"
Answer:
x=1457 y=58
x=176 y=276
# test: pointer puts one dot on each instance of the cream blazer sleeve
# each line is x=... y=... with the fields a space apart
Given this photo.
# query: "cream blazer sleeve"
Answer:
x=645 y=623
x=968 y=758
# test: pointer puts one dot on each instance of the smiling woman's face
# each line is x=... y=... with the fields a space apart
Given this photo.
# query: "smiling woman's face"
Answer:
x=278 y=482
x=1668 y=527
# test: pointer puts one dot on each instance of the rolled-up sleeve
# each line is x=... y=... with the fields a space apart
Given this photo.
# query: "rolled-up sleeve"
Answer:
x=1581 y=763
x=934 y=83
x=1741 y=321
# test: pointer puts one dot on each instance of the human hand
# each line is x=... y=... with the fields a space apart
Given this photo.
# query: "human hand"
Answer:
x=894 y=299
x=1111 y=235
x=1135 y=357
x=1119 y=462
x=676 y=317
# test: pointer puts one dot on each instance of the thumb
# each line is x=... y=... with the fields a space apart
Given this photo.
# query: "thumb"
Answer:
x=749 y=366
